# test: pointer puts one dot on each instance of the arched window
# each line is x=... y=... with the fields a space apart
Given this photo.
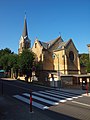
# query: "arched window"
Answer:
x=71 y=56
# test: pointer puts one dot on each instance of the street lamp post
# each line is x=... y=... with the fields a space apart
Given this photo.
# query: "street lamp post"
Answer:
x=88 y=45
x=58 y=71
x=89 y=50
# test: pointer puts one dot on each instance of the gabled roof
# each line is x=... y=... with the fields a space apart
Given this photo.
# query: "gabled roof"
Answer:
x=48 y=45
x=65 y=44
x=61 y=46
x=52 y=42
x=68 y=42
x=43 y=44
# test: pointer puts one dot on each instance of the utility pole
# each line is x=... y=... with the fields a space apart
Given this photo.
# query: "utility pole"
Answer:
x=58 y=71
x=89 y=50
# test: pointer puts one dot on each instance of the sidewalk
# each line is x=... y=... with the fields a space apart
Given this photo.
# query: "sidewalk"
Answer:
x=11 y=109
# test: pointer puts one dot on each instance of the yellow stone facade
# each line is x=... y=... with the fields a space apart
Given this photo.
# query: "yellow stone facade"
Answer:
x=57 y=55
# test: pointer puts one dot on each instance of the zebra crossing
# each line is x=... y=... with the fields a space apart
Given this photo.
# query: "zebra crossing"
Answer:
x=44 y=99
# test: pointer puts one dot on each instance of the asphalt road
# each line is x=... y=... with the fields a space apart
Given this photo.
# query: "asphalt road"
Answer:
x=75 y=109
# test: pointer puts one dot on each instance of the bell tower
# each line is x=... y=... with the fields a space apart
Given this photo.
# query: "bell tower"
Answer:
x=24 y=42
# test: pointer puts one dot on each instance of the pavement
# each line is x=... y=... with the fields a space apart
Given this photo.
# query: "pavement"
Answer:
x=11 y=109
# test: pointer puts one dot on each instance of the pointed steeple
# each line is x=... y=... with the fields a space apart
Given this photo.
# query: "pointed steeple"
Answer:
x=25 y=42
x=25 y=31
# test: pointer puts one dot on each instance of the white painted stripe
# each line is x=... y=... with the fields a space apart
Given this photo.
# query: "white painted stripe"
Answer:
x=81 y=103
x=38 y=105
x=80 y=96
x=46 y=96
x=69 y=98
x=62 y=101
x=75 y=97
x=42 y=99
x=59 y=96
x=58 y=92
x=63 y=94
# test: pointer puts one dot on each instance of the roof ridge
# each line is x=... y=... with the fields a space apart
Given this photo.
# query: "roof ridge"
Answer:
x=53 y=41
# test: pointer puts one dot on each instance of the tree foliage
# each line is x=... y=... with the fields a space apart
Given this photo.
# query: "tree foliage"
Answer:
x=7 y=59
x=84 y=59
x=5 y=51
x=4 y=62
x=25 y=61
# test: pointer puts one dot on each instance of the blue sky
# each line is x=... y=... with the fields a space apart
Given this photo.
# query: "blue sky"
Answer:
x=45 y=20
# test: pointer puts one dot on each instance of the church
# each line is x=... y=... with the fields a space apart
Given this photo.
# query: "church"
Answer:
x=56 y=57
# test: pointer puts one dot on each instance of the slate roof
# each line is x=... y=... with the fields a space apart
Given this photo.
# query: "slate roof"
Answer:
x=47 y=45
x=25 y=31
x=53 y=41
x=62 y=44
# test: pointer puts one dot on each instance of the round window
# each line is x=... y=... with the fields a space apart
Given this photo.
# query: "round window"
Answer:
x=71 y=56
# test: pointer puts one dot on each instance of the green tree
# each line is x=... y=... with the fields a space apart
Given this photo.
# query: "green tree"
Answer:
x=8 y=60
x=4 y=58
x=25 y=62
x=84 y=59
x=4 y=62
x=5 y=51
x=13 y=59
x=13 y=63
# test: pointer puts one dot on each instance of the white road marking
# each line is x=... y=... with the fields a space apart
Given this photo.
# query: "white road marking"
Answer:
x=62 y=101
x=46 y=96
x=69 y=98
x=75 y=97
x=81 y=103
x=42 y=99
x=80 y=96
x=38 y=105
x=65 y=94
x=59 y=96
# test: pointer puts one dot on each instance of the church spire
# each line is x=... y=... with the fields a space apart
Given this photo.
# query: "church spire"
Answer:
x=25 y=42
x=25 y=31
